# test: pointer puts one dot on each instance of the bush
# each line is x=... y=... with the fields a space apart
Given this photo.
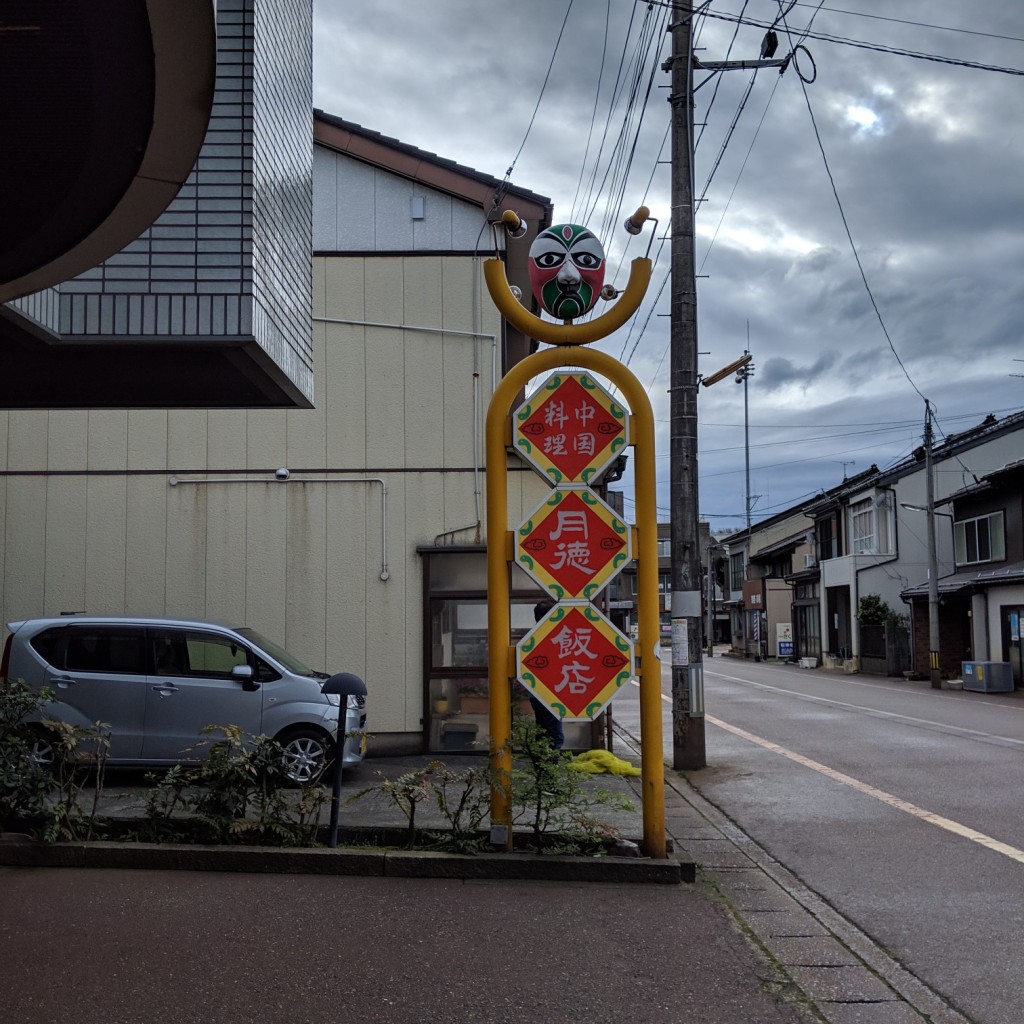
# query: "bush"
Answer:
x=25 y=783
x=33 y=790
x=238 y=794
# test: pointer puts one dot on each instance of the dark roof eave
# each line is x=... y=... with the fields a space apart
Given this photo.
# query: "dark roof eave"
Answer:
x=421 y=165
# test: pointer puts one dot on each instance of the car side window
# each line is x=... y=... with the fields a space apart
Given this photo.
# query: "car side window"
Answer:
x=116 y=650
x=213 y=656
x=47 y=644
x=170 y=655
x=264 y=673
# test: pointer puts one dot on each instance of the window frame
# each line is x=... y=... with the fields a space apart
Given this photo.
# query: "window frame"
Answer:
x=995 y=539
x=863 y=513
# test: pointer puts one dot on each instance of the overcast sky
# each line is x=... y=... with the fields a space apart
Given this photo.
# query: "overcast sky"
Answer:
x=927 y=158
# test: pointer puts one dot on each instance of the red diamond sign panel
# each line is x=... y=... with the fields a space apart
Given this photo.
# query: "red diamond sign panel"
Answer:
x=571 y=428
x=574 y=661
x=574 y=544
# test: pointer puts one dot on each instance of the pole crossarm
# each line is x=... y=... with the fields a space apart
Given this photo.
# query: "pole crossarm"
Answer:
x=499 y=601
x=737 y=65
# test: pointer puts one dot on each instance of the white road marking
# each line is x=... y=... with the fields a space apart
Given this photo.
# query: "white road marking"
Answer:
x=870 y=711
x=975 y=698
x=964 y=831
x=862 y=787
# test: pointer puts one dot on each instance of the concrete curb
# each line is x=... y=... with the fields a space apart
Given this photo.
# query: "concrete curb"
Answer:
x=321 y=861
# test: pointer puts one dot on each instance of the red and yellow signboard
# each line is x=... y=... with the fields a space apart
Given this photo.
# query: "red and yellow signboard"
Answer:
x=574 y=544
x=570 y=429
x=574 y=661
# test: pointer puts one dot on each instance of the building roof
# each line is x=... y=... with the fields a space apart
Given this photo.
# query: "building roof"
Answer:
x=427 y=168
x=971 y=579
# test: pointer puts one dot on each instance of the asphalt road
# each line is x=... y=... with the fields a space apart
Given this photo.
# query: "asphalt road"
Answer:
x=900 y=805
x=123 y=947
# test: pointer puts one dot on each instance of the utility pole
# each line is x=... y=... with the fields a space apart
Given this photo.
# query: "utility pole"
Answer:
x=688 y=745
x=933 y=558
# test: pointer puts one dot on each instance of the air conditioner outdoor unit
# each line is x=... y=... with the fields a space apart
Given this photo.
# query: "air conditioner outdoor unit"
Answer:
x=810 y=561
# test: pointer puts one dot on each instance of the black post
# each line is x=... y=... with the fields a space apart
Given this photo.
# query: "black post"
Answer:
x=345 y=685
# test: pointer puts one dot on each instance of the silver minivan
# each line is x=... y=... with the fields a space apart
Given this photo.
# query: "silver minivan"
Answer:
x=159 y=682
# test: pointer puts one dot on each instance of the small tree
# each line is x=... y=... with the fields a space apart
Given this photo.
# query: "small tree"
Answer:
x=873 y=611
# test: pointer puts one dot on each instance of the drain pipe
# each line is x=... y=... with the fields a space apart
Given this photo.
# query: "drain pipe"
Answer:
x=284 y=476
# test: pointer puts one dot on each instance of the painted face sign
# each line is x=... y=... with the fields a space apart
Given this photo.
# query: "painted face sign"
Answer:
x=566 y=270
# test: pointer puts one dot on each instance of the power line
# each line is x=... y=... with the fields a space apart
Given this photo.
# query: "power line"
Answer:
x=860 y=43
x=915 y=24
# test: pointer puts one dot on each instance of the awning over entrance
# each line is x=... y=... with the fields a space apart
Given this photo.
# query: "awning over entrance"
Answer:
x=977 y=579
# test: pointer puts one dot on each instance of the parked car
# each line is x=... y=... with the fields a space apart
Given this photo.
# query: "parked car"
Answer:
x=159 y=682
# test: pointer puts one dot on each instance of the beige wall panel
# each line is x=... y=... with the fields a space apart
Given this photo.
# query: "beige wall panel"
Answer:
x=425 y=388
x=319 y=286
x=67 y=440
x=108 y=439
x=266 y=438
x=63 y=565
x=352 y=567
x=26 y=439
x=345 y=391
x=460 y=506
x=382 y=287
x=145 y=590
x=5 y=421
x=422 y=296
x=25 y=544
x=307 y=428
x=147 y=439
x=389 y=634
x=226 y=439
x=385 y=399
x=344 y=283
x=305 y=610
x=424 y=368
x=106 y=512
x=457 y=289
x=226 y=551
x=186 y=440
x=186 y=550
x=425 y=511
x=266 y=563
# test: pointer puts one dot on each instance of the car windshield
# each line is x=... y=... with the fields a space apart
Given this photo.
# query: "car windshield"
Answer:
x=277 y=652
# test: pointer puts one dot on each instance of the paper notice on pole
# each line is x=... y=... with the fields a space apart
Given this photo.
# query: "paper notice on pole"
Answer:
x=680 y=642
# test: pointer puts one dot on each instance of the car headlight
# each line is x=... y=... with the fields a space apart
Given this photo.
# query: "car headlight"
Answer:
x=333 y=698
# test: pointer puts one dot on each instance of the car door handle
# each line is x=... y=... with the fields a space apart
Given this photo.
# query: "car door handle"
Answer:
x=166 y=689
x=63 y=682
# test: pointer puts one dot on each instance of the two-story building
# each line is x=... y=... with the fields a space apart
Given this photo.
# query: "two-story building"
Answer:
x=981 y=603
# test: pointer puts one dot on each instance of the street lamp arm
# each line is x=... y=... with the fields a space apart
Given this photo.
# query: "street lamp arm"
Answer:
x=923 y=508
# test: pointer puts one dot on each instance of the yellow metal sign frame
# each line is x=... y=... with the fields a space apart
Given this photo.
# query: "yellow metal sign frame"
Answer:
x=501 y=654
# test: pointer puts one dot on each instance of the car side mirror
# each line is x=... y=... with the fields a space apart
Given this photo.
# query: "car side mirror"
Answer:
x=245 y=675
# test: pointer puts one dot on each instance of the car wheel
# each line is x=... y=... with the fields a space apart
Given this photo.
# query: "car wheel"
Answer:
x=41 y=749
x=306 y=753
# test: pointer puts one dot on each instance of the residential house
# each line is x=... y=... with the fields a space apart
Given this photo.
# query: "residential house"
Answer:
x=763 y=612
x=871 y=532
x=981 y=603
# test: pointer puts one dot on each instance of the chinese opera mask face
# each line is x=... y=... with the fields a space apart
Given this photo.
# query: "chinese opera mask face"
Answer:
x=566 y=270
